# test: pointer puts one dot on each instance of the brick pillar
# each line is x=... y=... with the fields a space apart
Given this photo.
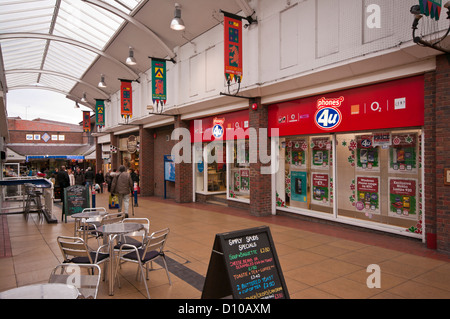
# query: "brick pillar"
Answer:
x=146 y=161
x=183 y=172
x=430 y=159
x=260 y=184
x=442 y=148
x=98 y=156
x=115 y=161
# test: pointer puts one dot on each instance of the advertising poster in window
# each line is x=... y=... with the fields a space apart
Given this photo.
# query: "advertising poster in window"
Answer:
x=321 y=148
x=403 y=197
x=402 y=154
x=320 y=189
x=299 y=186
x=368 y=194
x=245 y=180
x=366 y=154
x=298 y=158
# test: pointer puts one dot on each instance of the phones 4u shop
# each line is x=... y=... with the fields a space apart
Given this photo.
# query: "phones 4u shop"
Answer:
x=354 y=156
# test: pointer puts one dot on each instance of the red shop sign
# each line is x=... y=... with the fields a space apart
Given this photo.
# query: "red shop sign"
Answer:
x=215 y=127
x=392 y=104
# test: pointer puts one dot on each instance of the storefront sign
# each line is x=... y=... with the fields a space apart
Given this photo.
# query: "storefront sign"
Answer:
x=216 y=127
x=393 y=104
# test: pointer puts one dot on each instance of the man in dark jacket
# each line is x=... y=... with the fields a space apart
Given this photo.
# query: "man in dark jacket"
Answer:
x=62 y=179
x=79 y=177
x=100 y=179
x=89 y=177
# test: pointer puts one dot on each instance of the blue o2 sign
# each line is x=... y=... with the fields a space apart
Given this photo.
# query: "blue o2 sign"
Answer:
x=328 y=116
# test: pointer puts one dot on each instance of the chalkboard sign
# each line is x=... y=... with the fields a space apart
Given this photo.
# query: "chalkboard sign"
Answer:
x=244 y=265
x=76 y=198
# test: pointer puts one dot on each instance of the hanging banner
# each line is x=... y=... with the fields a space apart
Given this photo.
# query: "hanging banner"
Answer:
x=233 y=47
x=431 y=8
x=126 y=99
x=86 y=121
x=159 y=94
x=100 y=113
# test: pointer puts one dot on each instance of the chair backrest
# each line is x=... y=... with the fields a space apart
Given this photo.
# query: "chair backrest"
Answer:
x=94 y=209
x=112 y=218
x=85 y=277
x=156 y=241
x=73 y=246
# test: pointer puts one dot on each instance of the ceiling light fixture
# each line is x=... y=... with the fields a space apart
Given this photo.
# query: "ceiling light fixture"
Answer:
x=102 y=83
x=177 y=23
x=131 y=60
x=84 y=100
x=76 y=105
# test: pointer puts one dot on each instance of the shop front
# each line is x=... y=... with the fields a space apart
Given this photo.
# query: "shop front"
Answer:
x=354 y=156
x=220 y=149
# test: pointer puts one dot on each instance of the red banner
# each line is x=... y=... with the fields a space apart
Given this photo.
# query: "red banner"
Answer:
x=392 y=104
x=126 y=99
x=233 y=48
x=86 y=121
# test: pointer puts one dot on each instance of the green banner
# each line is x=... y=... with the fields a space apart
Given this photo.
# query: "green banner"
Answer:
x=159 y=93
x=100 y=112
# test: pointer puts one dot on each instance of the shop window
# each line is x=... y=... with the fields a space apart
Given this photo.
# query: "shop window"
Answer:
x=239 y=171
x=379 y=178
x=210 y=167
x=304 y=180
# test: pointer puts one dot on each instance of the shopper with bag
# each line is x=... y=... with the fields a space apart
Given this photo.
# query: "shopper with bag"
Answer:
x=122 y=185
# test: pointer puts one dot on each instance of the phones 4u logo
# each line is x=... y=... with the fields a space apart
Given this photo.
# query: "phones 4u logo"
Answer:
x=328 y=115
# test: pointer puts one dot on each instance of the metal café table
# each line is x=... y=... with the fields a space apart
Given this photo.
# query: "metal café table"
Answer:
x=94 y=215
x=111 y=231
x=41 y=291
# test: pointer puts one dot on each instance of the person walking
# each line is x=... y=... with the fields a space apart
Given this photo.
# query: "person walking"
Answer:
x=71 y=177
x=100 y=179
x=79 y=177
x=62 y=179
x=122 y=185
x=89 y=177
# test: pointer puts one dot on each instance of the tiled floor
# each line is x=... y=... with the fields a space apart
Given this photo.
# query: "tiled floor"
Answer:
x=318 y=261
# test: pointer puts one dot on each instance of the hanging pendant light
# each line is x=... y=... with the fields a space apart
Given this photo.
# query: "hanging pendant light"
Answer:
x=177 y=23
x=83 y=99
x=131 y=60
x=102 y=83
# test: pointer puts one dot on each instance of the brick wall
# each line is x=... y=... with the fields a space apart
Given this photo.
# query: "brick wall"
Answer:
x=146 y=161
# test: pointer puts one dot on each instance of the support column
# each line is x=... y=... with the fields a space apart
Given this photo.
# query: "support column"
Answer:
x=146 y=161
x=115 y=161
x=183 y=172
x=260 y=184
x=98 y=156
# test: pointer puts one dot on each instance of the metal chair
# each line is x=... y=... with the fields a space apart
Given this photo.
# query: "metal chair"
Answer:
x=135 y=238
x=87 y=225
x=152 y=248
x=75 y=250
x=33 y=195
x=86 y=277
x=107 y=219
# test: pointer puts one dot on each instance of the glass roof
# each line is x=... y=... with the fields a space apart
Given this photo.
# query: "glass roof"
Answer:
x=76 y=20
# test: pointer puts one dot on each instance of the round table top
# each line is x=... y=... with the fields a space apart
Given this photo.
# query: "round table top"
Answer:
x=89 y=214
x=41 y=291
x=120 y=228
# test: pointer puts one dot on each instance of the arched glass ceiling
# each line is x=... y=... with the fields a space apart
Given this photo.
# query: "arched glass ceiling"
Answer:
x=72 y=19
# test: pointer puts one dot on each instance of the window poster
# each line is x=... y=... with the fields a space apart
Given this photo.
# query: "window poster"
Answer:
x=320 y=189
x=402 y=153
x=298 y=158
x=403 y=197
x=368 y=194
x=245 y=180
x=299 y=186
x=321 y=148
x=366 y=154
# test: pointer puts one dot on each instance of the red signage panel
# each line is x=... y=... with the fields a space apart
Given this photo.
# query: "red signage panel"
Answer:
x=393 y=104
